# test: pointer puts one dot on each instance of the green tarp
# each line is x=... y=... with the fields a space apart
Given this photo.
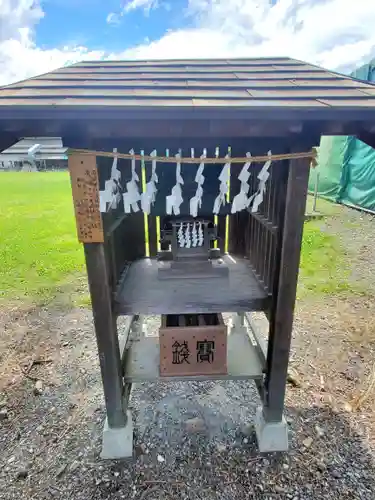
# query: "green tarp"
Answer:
x=330 y=160
x=358 y=175
x=346 y=166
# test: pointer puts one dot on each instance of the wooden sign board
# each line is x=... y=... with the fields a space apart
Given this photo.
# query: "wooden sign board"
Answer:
x=193 y=350
x=85 y=188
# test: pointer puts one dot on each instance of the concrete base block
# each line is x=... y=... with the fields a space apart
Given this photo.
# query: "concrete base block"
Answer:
x=271 y=436
x=118 y=442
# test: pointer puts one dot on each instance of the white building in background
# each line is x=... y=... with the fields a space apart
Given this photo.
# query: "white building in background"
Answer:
x=50 y=155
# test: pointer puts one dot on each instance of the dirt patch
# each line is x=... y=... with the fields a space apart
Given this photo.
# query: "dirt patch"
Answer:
x=50 y=442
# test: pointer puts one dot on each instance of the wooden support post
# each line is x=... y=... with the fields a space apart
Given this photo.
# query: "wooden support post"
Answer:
x=106 y=334
x=85 y=190
x=281 y=315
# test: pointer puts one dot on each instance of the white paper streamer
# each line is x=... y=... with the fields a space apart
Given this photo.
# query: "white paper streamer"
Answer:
x=148 y=197
x=196 y=201
x=224 y=179
x=241 y=200
x=111 y=193
x=263 y=178
x=187 y=236
x=181 y=236
x=194 y=235
x=132 y=196
x=200 y=235
x=174 y=200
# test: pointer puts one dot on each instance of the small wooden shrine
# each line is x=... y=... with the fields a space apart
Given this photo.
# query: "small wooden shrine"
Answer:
x=189 y=183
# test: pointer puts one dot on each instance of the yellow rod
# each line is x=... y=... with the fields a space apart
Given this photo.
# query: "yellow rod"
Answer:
x=216 y=222
x=216 y=218
x=145 y=216
x=226 y=244
x=158 y=245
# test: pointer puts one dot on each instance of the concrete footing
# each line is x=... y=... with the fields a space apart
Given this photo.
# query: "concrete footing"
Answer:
x=118 y=442
x=271 y=436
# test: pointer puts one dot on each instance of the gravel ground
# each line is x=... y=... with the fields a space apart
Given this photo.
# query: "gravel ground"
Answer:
x=192 y=440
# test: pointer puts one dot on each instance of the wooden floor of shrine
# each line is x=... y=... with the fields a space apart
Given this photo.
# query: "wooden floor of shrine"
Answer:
x=141 y=291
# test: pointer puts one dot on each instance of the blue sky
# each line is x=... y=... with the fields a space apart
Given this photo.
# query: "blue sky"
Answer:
x=37 y=36
x=108 y=26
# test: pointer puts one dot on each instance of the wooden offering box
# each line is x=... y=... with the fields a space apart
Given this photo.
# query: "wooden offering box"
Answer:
x=193 y=344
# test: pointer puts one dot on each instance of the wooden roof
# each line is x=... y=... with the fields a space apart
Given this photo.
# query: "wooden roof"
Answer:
x=260 y=83
x=266 y=90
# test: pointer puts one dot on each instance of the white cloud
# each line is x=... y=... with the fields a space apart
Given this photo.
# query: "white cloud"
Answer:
x=113 y=18
x=130 y=5
x=146 y=5
x=336 y=34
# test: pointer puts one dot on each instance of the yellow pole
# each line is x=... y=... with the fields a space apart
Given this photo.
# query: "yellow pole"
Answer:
x=216 y=218
x=158 y=246
x=226 y=245
x=145 y=216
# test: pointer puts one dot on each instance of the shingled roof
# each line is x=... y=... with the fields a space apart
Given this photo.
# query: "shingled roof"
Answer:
x=276 y=82
x=193 y=97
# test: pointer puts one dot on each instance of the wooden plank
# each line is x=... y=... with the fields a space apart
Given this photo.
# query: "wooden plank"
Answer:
x=194 y=62
x=187 y=69
x=85 y=189
x=369 y=91
x=298 y=67
x=84 y=83
x=81 y=101
x=275 y=75
x=316 y=93
x=188 y=102
x=164 y=84
x=267 y=103
x=155 y=92
x=239 y=83
x=350 y=103
x=326 y=82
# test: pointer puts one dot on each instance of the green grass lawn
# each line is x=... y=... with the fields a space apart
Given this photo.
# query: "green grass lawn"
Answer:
x=39 y=251
x=324 y=268
x=40 y=255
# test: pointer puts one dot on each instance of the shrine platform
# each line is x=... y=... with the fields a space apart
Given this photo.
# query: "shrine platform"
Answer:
x=141 y=291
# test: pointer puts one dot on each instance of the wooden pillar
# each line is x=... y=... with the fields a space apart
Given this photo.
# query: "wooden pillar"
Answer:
x=85 y=188
x=281 y=315
x=106 y=334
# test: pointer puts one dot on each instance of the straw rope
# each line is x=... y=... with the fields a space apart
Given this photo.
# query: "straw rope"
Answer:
x=171 y=159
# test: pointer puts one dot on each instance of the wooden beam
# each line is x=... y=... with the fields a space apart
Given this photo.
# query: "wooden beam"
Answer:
x=281 y=316
x=106 y=333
